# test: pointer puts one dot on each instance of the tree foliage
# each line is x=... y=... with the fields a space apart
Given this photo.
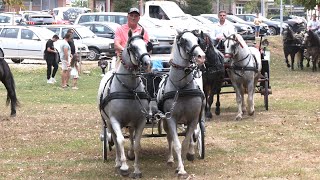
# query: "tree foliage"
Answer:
x=308 y=4
x=124 y=5
x=196 y=7
x=10 y=3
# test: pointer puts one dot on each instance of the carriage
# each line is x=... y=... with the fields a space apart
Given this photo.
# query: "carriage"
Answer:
x=180 y=89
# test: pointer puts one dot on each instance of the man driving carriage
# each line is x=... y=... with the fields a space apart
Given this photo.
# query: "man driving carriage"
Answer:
x=222 y=28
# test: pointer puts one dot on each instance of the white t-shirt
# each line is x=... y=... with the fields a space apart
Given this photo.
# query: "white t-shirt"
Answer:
x=226 y=29
x=313 y=25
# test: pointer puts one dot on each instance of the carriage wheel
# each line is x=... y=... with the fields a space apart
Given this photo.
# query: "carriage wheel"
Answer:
x=200 y=140
x=105 y=144
x=266 y=92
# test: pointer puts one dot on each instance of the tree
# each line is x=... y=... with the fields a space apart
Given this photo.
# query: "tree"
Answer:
x=308 y=4
x=124 y=5
x=13 y=3
x=253 y=6
x=196 y=7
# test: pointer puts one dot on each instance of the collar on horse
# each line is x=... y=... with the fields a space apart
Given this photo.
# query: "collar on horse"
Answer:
x=245 y=68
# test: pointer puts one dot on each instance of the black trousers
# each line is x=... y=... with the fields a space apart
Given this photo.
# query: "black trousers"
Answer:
x=51 y=62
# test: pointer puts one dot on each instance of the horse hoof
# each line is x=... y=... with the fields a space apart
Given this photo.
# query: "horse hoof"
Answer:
x=209 y=115
x=124 y=172
x=136 y=175
x=288 y=65
x=13 y=115
x=238 y=118
x=190 y=157
x=183 y=176
x=170 y=164
x=217 y=112
x=251 y=113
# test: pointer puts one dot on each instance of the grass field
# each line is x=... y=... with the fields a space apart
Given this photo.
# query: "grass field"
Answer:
x=56 y=132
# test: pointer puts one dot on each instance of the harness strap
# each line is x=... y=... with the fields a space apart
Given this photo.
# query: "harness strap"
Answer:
x=182 y=93
x=123 y=95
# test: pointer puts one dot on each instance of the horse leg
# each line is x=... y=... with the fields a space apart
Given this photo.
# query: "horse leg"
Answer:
x=286 y=59
x=218 y=102
x=301 y=59
x=131 y=151
x=209 y=100
x=172 y=129
x=250 y=99
x=239 y=97
x=114 y=139
x=170 y=159
x=11 y=95
x=137 y=147
x=188 y=141
x=292 y=61
x=119 y=140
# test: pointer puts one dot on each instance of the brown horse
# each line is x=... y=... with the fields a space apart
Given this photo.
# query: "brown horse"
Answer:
x=312 y=42
x=6 y=78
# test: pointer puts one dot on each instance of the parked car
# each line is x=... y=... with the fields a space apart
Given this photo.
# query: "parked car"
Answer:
x=67 y=15
x=298 y=24
x=38 y=19
x=245 y=30
x=9 y=19
x=97 y=45
x=274 y=26
x=102 y=29
x=116 y=17
x=28 y=42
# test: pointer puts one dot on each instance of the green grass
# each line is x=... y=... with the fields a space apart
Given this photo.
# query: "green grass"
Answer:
x=56 y=132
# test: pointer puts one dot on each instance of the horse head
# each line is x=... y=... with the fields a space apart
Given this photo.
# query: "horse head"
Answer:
x=135 y=55
x=232 y=44
x=188 y=47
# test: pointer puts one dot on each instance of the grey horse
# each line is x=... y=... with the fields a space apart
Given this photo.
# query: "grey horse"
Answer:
x=180 y=98
x=124 y=102
x=244 y=70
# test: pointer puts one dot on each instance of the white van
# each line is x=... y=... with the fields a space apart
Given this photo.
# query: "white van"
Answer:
x=116 y=17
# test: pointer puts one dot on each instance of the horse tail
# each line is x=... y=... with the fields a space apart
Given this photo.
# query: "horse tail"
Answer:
x=299 y=56
x=10 y=84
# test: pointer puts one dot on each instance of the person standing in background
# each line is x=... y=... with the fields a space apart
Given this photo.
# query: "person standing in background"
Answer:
x=257 y=22
x=65 y=58
x=50 y=57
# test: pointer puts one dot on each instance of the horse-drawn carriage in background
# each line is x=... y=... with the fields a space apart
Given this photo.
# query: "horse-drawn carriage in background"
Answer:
x=157 y=117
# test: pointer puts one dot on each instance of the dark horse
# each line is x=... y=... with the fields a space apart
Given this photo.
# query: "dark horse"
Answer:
x=6 y=78
x=292 y=44
x=213 y=73
x=312 y=43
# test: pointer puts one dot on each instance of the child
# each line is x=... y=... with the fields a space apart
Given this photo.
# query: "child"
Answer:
x=74 y=71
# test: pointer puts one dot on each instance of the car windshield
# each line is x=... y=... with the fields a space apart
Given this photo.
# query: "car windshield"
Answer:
x=203 y=20
x=45 y=33
x=172 y=10
x=147 y=23
x=85 y=32
x=237 y=19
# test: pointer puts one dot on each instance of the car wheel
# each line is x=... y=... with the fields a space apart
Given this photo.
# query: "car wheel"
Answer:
x=17 y=60
x=94 y=54
x=272 y=31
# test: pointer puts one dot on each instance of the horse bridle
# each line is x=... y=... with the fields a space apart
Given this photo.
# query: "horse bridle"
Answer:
x=131 y=54
x=181 y=44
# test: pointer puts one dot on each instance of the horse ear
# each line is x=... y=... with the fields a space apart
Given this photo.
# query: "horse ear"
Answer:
x=130 y=33
x=201 y=35
x=142 y=32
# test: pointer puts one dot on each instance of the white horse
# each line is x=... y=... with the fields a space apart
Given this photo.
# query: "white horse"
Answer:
x=244 y=71
x=123 y=101
x=180 y=98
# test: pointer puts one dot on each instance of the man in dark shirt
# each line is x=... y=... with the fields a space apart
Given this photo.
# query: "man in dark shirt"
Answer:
x=50 y=57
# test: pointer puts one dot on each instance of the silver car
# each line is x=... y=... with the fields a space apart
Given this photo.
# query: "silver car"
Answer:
x=98 y=46
x=28 y=42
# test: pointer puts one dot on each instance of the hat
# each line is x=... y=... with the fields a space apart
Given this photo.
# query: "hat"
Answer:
x=131 y=10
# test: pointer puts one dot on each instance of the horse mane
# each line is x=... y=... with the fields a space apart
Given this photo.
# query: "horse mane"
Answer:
x=313 y=38
x=289 y=37
x=241 y=40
